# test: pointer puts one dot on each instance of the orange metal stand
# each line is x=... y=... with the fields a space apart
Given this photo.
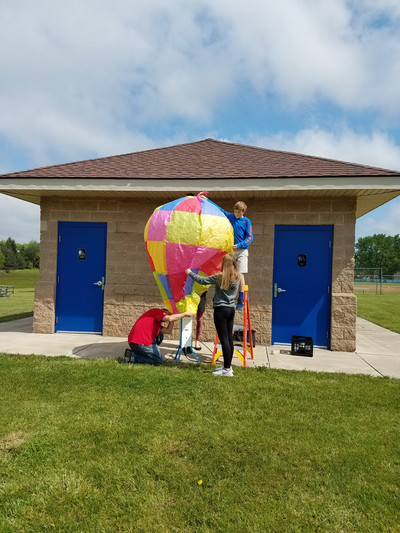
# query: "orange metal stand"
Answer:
x=246 y=329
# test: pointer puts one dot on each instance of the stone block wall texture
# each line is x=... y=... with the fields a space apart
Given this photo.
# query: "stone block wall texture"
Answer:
x=130 y=287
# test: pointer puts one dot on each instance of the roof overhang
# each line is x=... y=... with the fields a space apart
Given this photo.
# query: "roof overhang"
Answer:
x=370 y=191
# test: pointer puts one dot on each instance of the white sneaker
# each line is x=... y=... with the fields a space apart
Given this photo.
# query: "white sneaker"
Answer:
x=224 y=372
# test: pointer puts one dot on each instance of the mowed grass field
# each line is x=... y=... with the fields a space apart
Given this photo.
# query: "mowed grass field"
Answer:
x=20 y=304
x=98 y=446
x=382 y=309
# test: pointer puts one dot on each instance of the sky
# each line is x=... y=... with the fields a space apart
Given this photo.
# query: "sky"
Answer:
x=82 y=80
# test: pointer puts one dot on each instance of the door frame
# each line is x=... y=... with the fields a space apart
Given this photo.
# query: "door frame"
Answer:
x=78 y=224
x=309 y=227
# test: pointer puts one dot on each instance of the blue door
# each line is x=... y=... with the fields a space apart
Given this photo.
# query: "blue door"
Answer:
x=81 y=266
x=302 y=284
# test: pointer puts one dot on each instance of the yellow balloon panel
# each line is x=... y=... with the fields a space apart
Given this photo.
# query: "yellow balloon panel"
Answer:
x=184 y=228
x=161 y=288
x=216 y=232
x=199 y=289
x=188 y=303
x=156 y=250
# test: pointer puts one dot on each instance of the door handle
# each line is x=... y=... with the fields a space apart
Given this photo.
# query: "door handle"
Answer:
x=277 y=289
x=100 y=283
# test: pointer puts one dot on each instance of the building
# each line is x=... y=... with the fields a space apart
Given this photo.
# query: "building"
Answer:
x=95 y=274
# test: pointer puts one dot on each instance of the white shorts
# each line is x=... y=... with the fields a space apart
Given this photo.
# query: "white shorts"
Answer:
x=242 y=257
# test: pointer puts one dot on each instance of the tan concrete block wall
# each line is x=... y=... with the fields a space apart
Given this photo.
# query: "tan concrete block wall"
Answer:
x=45 y=288
x=344 y=313
x=131 y=289
x=44 y=307
x=344 y=303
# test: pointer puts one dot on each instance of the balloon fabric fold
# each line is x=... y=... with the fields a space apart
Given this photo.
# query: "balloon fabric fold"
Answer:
x=190 y=232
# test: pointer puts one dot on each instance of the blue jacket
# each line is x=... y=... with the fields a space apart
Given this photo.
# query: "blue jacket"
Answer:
x=242 y=230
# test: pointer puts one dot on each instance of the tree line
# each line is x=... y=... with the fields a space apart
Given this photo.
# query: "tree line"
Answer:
x=379 y=251
x=19 y=256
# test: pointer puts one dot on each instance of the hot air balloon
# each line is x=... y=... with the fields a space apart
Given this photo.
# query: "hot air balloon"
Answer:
x=190 y=232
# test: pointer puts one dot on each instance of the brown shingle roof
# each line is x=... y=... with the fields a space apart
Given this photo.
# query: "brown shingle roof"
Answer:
x=205 y=159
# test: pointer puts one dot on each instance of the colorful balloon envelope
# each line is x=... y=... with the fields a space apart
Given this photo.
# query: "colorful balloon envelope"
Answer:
x=190 y=232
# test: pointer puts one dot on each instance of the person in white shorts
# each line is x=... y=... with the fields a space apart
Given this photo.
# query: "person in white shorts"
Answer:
x=243 y=236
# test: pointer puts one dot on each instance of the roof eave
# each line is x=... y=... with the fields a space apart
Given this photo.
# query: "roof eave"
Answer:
x=264 y=183
x=371 y=191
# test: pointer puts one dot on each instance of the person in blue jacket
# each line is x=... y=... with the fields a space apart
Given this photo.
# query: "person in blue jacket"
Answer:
x=243 y=236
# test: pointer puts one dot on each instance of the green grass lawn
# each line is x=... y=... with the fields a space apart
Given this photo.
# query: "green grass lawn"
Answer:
x=19 y=305
x=382 y=309
x=96 y=446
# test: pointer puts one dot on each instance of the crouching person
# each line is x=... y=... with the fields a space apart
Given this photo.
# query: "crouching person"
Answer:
x=144 y=336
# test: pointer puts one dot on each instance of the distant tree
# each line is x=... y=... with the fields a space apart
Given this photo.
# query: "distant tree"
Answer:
x=9 y=250
x=36 y=261
x=21 y=261
x=1 y=260
x=10 y=260
x=379 y=251
x=11 y=244
x=30 y=250
x=17 y=255
x=396 y=245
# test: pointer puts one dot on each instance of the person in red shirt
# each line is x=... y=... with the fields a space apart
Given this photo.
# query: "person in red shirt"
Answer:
x=142 y=337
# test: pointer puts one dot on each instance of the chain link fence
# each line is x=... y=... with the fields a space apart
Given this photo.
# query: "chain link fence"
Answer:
x=374 y=280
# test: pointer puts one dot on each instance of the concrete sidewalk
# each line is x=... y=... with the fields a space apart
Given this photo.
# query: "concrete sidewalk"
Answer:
x=377 y=354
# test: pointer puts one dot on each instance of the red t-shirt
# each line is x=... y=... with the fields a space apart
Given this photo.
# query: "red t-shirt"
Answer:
x=147 y=327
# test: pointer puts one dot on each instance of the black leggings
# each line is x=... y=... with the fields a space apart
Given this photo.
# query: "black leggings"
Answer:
x=223 y=320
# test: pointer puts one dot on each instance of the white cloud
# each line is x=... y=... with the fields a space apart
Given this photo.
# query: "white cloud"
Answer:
x=19 y=220
x=385 y=219
x=90 y=76
x=303 y=49
x=375 y=149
